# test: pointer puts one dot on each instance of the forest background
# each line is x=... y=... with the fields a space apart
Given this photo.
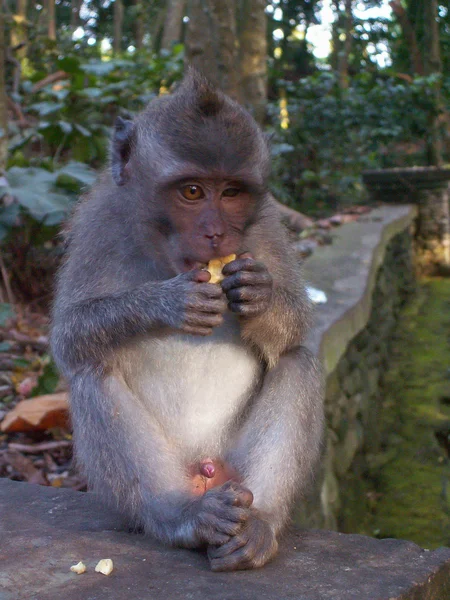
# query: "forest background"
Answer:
x=374 y=93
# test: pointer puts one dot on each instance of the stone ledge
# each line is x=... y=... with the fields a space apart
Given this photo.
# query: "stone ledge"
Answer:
x=45 y=531
x=349 y=283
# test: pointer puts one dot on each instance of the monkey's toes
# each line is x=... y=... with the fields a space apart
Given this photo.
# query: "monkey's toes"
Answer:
x=242 y=496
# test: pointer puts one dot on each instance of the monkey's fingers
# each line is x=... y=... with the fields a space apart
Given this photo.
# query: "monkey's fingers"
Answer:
x=243 y=264
x=203 y=319
x=230 y=546
x=208 y=305
x=243 y=278
x=237 y=494
x=196 y=330
x=199 y=275
x=251 y=548
x=208 y=290
x=247 y=293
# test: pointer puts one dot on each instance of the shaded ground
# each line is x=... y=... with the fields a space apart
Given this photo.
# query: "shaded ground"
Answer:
x=411 y=499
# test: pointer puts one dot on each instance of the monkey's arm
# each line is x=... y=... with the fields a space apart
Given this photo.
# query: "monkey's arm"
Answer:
x=284 y=320
x=281 y=327
x=86 y=331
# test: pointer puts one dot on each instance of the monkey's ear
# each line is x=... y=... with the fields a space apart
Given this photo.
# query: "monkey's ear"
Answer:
x=121 y=148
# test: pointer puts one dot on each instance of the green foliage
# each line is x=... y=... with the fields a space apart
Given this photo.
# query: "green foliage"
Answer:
x=71 y=118
x=334 y=134
x=6 y=313
x=48 y=380
x=41 y=198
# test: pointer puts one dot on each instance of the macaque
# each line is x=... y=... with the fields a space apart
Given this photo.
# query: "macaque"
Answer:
x=196 y=410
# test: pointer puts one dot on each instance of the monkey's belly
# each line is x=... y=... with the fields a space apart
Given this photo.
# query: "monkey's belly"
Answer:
x=194 y=387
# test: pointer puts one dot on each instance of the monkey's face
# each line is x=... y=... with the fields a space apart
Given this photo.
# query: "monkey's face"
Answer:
x=207 y=218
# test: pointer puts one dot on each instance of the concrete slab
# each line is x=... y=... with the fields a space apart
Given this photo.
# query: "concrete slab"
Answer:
x=43 y=531
x=349 y=283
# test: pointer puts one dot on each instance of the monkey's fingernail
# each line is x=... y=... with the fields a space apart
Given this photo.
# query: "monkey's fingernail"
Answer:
x=207 y=470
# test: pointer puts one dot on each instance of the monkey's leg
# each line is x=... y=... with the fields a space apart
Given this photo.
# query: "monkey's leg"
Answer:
x=276 y=452
x=131 y=463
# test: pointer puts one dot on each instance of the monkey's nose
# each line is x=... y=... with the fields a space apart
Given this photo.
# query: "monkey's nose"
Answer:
x=214 y=238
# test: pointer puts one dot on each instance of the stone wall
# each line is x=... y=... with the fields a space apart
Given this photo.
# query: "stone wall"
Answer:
x=367 y=275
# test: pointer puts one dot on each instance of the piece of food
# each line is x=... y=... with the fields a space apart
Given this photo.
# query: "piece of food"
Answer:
x=104 y=566
x=79 y=568
x=216 y=265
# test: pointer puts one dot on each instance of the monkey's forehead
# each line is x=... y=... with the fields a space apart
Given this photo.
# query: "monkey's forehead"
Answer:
x=224 y=142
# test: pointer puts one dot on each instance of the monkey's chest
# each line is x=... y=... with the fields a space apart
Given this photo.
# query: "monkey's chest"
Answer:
x=195 y=387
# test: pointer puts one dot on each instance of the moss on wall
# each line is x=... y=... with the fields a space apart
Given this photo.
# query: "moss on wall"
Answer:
x=409 y=496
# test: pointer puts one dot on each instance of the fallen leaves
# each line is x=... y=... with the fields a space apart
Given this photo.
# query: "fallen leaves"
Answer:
x=35 y=440
x=25 y=466
x=41 y=413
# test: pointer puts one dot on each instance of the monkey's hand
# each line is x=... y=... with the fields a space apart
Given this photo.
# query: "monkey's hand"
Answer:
x=248 y=286
x=253 y=546
x=192 y=305
x=221 y=513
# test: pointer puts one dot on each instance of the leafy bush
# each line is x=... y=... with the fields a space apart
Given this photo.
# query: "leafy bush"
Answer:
x=71 y=118
x=35 y=203
x=334 y=134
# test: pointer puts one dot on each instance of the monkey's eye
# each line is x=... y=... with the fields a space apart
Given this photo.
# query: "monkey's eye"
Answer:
x=192 y=192
x=231 y=192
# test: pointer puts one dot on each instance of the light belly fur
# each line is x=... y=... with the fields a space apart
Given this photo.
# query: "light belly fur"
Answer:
x=194 y=387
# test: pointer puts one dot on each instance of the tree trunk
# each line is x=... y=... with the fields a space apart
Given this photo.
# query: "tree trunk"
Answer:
x=138 y=25
x=211 y=42
x=173 y=23
x=19 y=31
x=75 y=20
x=344 y=53
x=410 y=37
x=3 y=106
x=433 y=64
x=334 y=55
x=51 y=7
x=253 y=56
x=118 y=26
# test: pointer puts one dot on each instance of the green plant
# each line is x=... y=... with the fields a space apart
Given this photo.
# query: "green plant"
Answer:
x=334 y=134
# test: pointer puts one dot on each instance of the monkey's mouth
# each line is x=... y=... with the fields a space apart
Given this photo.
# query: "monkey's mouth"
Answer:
x=188 y=264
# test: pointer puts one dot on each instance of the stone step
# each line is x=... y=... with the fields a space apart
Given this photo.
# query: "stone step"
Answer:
x=43 y=531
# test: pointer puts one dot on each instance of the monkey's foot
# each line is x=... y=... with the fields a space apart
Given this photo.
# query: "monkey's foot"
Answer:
x=210 y=473
x=252 y=547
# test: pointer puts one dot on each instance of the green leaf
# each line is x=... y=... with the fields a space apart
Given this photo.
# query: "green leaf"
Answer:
x=99 y=68
x=48 y=381
x=81 y=173
x=69 y=64
x=65 y=127
x=5 y=346
x=85 y=132
x=46 y=108
x=9 y=214
x=20 y=140
x=4 y=231
x=92 y=92
x=6 y=312
x=34 y=190
x=21 y=363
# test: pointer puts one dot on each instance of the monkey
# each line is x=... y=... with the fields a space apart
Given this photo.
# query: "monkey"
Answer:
x=196 y=409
